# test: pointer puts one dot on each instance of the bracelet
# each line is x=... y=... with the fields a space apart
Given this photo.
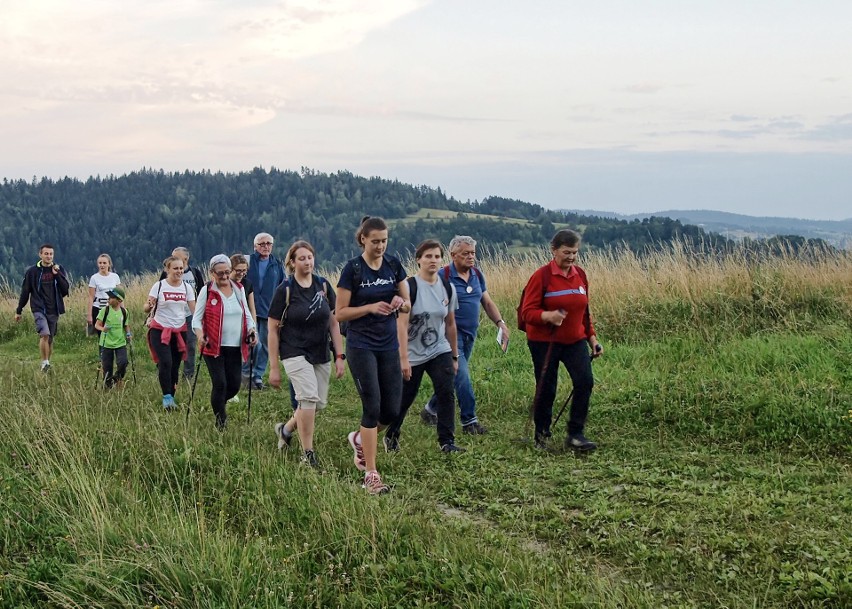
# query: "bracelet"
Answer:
x=502 y=321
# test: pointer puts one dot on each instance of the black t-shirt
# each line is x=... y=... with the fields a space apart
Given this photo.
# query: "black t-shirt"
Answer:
x=48 y=290
x=373 y=332
x=248 y=288
x=304 y=329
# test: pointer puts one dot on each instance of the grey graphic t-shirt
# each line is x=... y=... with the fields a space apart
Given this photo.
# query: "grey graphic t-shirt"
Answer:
x=426 y=328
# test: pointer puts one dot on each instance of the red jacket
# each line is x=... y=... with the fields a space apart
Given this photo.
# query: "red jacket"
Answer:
x=213 y=319
x=569 y=293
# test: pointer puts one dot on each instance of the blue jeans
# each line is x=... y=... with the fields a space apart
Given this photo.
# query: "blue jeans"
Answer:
x=463 y=386
x=261 y=353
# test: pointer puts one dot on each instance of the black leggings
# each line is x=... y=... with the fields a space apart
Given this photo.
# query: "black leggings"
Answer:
x=378 y=379
x=440 y=370
x=170 y=358
x=225 y=372
x=578 y=362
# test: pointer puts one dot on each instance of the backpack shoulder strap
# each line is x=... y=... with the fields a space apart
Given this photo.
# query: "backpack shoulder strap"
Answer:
x=123 y=316
x=412 y=289
x=447 y=287
x=356 y=274
x=446 y=272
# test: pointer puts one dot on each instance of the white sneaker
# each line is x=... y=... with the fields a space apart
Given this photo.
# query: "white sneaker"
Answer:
x=234 y=400
x=283 y=437
x=45 y=366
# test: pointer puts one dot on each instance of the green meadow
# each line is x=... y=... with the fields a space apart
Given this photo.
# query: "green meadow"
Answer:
x=722 y=409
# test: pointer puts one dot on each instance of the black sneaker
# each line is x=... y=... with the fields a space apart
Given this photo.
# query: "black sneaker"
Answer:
x=391 y=444
x=257 y=384
x=310 y=458
x=452 y=448
x=541 y=440
x=428 y=418
x=580 y=443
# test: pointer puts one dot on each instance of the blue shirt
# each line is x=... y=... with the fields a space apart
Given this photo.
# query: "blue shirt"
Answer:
x=373 y=332
x=470 y=296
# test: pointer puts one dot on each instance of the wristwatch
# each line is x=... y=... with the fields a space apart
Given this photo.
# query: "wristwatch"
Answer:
x=455 y=358
x=341 y=356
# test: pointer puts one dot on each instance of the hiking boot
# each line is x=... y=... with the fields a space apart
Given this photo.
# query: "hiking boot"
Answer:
x=360 y=463
x=474 y=429
x=540 y=440
x=391 y=444
x=580 y=443
x=257 y=384
x=310 y=458
x=452 y=448
x=374 y=485
x=428 y=418
x=284 y=438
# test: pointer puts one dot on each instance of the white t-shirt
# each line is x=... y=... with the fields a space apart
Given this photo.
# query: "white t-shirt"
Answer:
x=171 y=303
x=102 y=283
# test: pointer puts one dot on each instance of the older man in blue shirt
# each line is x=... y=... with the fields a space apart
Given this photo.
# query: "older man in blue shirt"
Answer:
x=265 y=273
x=472 y=293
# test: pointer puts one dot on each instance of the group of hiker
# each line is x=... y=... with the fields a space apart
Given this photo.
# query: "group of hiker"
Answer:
x=397 y=328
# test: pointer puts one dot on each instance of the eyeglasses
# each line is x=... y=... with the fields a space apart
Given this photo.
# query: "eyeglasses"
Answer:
x=265 y=244
x=240 y=271
x=222 y=274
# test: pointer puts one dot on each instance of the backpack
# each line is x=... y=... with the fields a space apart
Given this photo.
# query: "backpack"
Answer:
x=412 y=289
x=522 y=325
x=106 y=312
x=476 y=271
x=357 y=272
x=286 y=283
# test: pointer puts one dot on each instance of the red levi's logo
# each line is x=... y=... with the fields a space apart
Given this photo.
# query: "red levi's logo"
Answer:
x=174 y=296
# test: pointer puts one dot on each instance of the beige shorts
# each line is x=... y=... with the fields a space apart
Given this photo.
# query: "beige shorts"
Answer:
x=310 y=381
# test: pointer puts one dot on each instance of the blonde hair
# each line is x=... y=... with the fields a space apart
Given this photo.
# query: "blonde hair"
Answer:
x=108 y=259
x=291 y=253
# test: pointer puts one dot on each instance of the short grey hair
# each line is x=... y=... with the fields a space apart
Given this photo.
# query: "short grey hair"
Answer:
x=460 y=240
x=219 y=259
x=181 y=250
x=261 y=236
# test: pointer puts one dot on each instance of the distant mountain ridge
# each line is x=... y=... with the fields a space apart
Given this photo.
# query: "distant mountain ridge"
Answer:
x=740 y=226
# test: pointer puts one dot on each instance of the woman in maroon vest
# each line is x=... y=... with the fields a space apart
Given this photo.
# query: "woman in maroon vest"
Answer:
x=225 y=329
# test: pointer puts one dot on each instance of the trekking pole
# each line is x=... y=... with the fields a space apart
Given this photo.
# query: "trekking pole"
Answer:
x=132 y=363
x=192 y=392
x=251 y=382
x=99 y=368
x=570 y=395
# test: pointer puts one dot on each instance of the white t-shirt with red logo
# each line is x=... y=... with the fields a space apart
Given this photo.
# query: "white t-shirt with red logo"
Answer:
x=171 y=303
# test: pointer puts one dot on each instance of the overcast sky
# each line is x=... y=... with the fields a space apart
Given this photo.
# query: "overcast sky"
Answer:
x=619 y=105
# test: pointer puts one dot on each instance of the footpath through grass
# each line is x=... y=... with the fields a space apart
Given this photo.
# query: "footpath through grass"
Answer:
x=722 y=480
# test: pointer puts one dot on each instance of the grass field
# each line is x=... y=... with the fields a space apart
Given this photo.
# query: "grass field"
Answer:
x=723 y=478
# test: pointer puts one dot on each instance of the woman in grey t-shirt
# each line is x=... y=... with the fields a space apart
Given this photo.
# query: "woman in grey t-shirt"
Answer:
x=427 y=343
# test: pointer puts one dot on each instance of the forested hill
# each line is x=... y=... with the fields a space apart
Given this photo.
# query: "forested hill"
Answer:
x=138 y=218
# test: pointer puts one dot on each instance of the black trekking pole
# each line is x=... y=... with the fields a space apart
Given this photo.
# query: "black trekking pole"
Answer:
x=571 y=395
x=99 y=368
x=251 y=382
x=194 y=383
x=132 y=362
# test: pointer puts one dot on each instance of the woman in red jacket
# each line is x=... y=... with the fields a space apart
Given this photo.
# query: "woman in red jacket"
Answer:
x=559 y=327
x=225 y=330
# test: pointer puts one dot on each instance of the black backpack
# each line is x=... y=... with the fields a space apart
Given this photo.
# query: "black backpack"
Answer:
x=357 y=274
x=106 y=312
x=412 y=288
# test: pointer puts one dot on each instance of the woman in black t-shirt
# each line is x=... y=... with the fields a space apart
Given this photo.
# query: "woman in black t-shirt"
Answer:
x=371 y=290
x=302 y=310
